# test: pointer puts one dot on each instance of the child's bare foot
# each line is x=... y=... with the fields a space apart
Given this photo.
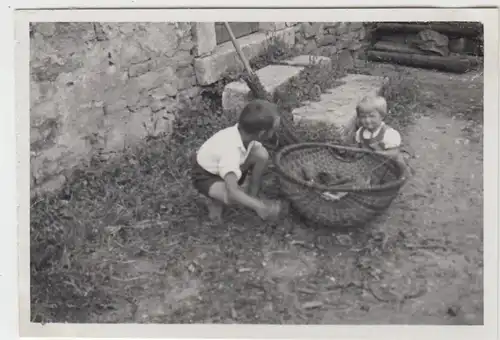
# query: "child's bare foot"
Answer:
x=215 y=210
x=269 y=210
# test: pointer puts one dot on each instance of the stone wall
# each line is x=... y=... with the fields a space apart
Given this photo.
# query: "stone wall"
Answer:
x=345 y=39
x=96 y=87
x=100 y=86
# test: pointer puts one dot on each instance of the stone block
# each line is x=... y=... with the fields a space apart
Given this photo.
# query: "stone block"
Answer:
x=185 y=83
x=186 y=46
x=128 y=28
x=299 y=38
x=362 y=34
x=310 y=46
x=356 y=25
x=235 y=95
x=328 y=39
x=114 y=106
x=136 y=70
x=191 y=92
x=306 y=60
x=131 y=52
x=157 y=78
x=337 y=107
x=204 y=36
x=342 y=28
x=355 y=46
x=158 y=93
x=332 y=24
x=209 y=69
x=141 y=102
x=306 y=30
x=298 y=48
x=345 y=59
x=158 y=38
x=157 y=105
x=271 y=26
x=47 y=29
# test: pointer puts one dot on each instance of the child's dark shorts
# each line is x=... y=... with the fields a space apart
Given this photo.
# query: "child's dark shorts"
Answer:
x=203 y=180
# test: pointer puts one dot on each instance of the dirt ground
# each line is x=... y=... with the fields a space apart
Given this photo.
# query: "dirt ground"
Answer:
x=425 y=258
x=419 y=263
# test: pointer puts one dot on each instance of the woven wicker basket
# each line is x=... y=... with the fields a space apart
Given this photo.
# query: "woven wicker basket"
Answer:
x=349 y=186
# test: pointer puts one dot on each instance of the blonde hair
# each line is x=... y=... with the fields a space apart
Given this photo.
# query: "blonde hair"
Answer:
x=370 y=103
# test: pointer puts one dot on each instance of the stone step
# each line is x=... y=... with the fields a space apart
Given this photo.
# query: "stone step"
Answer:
x=210 y=68
x=337 y=107
x=306 y=60
x=235 y=95
x=271 y=77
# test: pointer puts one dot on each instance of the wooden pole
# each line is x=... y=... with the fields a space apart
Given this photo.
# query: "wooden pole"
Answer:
x=238 y=49
x=462 y=29
x=455 y=64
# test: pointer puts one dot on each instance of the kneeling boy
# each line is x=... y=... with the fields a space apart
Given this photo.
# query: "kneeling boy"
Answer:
x=224 y=161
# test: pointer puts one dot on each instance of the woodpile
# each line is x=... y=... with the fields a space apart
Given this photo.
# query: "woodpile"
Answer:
x=446 y=46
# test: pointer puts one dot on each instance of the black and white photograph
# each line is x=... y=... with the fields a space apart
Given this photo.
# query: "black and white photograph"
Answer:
x=270 y=173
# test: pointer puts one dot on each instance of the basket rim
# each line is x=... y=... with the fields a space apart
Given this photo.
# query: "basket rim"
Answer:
x=396 y=184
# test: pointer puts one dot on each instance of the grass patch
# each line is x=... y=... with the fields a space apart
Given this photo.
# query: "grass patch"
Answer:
x=403 y=99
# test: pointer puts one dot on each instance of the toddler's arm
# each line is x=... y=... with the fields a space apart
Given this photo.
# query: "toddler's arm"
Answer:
x=357 y=138
x=392 y=143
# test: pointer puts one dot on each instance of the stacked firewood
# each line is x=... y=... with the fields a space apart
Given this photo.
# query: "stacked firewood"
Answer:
x=445 y=46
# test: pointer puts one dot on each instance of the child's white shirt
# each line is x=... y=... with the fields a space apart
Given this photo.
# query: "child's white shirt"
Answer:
x=392 y=138
x=224 y=152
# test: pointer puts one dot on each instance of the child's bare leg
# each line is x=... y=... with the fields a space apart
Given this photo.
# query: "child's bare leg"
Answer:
x=217 y=200
x=215 y=209
x=257 y=161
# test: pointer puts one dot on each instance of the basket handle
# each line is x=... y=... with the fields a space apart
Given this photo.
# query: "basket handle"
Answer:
x=346 y=156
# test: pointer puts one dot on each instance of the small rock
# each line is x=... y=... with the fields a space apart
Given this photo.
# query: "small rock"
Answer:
x=310 y=46
x=307 y=30
x=312 y=305
x=234 y=314
x=328 y=39
x=344 y=240
x=157 y=105
x=186 y=46
x=432 y=41
x=170 y=89
x=355 y=46
x=342 y=28
x=306 y=291
x=362 y=34
x=100 y=34
x=316 y=93
x=185 y=83
x=192 y=92
x=141 y=68
x=46 y=29
x=345 y=59
x=356 y=25
x=453 y=311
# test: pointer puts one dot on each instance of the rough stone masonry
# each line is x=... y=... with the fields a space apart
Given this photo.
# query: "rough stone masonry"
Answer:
x=102 y=86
